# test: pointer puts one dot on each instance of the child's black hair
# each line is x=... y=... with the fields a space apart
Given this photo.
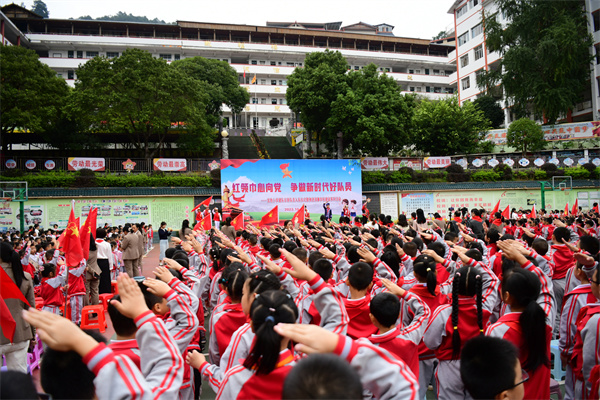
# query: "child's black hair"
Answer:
x=262 y=281
x=487 y=366
x=150 y=298
x=323 y=268
x=290 y=246
x=269 y=309
x=265 y=242
x=169 y=252
x=124 y=326
x=540 y=246
x=492 y=235
x=301 y=253
x=360 y=275
x=475 y=254
x=424 y=267
x=392 y=260
x=17 y=385
x=64 y=375
x=561 y=233
x=439 y=248
x=313 y=257
x=450 y=236
x=589 y=244
x=49 y=269
x=410 y=249
x=322 y=376
x=235 y=282
x=524 y=288
x=466 y=282
x=385 y=308
x=274 y=251
x=352 y=254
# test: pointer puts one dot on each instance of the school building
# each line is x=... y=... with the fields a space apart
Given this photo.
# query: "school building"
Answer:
x=270 y=53
x=471 y=55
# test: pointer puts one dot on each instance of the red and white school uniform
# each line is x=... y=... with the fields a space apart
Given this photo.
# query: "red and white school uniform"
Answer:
x=360 y=324
x=52 y=294
x=127 y=347
x=76 y=291
x=217 y=219
x=222 y=326
x=573 y=302
x=586 y=353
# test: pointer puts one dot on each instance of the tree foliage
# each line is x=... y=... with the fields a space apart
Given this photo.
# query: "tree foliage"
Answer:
x=312 y=89
x=124 y=17
x=443 y=128
x=525 y=135
x=40 y=8
x=545 y=55
x=140 y=96
x=366 y=107
x=372 y=114
x=491 y=109
x=31 y=95
x=219 y=81
x=441 y=35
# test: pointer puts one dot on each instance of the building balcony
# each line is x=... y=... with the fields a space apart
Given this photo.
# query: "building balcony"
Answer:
x=276 y=109
x=265 y=89
x=420 y=78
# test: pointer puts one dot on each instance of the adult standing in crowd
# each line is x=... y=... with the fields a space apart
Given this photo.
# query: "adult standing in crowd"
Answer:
x=141 y=245
x=131 y=250
x=15 y=352
x=228 y=230
x=105 y=261
x=92 y=275
x=185 y=229
x=163 y=237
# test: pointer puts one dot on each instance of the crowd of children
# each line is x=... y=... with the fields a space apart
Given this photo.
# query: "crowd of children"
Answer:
x=354 y=309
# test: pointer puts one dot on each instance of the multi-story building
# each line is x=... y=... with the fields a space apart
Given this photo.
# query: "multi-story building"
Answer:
x=269 y=53
x=471 y=56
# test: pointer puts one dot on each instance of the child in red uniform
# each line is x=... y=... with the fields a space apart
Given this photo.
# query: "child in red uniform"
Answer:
x=76 y=291
x=52 y=289
x=360 y=281
x=402 y=340
x=474 y=294
x=527 y=326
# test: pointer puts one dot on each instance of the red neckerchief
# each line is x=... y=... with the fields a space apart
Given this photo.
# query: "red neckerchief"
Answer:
x=497 y=222
x=457 y=219
x=476 y=218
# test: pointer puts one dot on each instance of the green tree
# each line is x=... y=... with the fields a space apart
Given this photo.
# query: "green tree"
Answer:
x=441 y=35
x=31 y=95
x=372 y=114
x=443 y=127
x=545 y=53
x=124 y=17
x=40 y=8
x=491 y=109
x=142 y=97
x=525 y=135
x=219 y=81
x=312 y=90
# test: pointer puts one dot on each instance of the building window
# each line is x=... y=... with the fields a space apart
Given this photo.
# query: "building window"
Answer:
x=261 y=62
x=464 y=61
x=412 y=88
x=426 y=71
x=419 y=89
x=465 y=83
x=596 y=19
x=56 y=55
x=255 y=122
x=597 y=47
x=273 y=82
x=70 y=74
x=356 y=67
x=79 y=54
x=289 y=64
x=273 y=101
x=477 y=75
x=449 y=90
x=478 y=52
x=112 y=54
x=477 y=30
x=71 y=54
x=448 y=73
x=462 y=11
x=273 y=63
x=411 y=71
x=427 y=89
x=254 y=100
x=464 y=38
x=253 y=62
x=263 y=101
x=177 y=57
x=282 y=101
x=474 y=3
x=166 y=57
x=437 y=90
x=263 y=81
x=91 y=54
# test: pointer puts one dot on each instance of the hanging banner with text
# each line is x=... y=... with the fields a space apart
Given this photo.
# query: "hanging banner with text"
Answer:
x=170 y=164
x=577 y=130
x=95 y=164
x=436 y=162
x=257 y=186
x=374 y=163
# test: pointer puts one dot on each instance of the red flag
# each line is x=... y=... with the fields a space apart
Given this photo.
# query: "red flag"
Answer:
x=575 y=209
x=204 y=224
x=299 y=218
x=238 y=222
x=506 y=213
x=205 y=203
x=532 y=214
x=7 y=322
x=93 y=217
x=272 y=217
x=72 y=242
x=567 y=209
x=9 y=289
x=86 y=231
x=495 y=210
